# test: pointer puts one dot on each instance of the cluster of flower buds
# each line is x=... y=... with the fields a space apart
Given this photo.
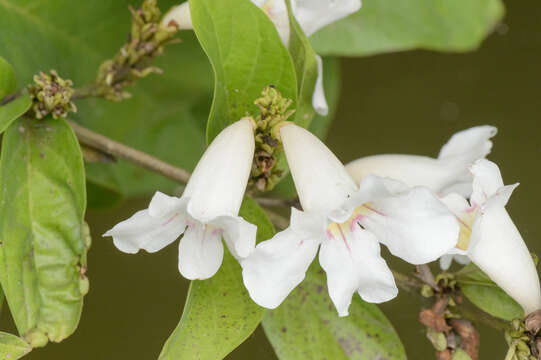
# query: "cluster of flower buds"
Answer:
x=146 y=41
x=51 y=95
x=522 y=341
x=274 y=112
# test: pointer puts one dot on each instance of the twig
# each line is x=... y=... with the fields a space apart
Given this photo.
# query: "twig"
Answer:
x=100 y=142
x=278 y=220
x=424 y=273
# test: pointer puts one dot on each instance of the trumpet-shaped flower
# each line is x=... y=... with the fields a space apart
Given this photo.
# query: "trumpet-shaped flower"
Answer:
x=311 y=15
x=490 y=239
x=346 y=223
x=206 y=212
x=448 y=173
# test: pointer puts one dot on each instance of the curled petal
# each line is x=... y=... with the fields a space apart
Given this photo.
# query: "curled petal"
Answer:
x=319 y=102
x=487 y=180
x=151 y=229
x=239 y=235
x=353 y=263
x=499 y=250
x=200 y=252
x=414 y=225
x=277 y=266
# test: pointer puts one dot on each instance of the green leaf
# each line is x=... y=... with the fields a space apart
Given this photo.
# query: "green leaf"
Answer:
x=397 y=25
x=219 y=314
x=486 y=295
x=43 y=251
x=12 y=110
x=168 y=113
x=246 y=54
x=304 y=60
x=12 y=347
x=460 y=354
x=8 y=80
x=307 y=326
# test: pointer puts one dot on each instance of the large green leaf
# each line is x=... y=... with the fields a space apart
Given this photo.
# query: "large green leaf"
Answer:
x=12 y=110
x=166 y=116
x=307 y=326
x=8 y=80
x=219 y=314
x=43 y=251
x=486 y=295
x=396 y=25
x=246 y=54
x=12 y=347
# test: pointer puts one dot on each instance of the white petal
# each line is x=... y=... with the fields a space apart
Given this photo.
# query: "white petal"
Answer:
x=449 y=169
x=276 y=10
x=239 y=235
x=414 y=225
x=217 y=185
x=498 y=249
x=320 y=178
x=200 y=252
x=151 y=229
x=179 y=16
x=487 y=179
x=313 y=15
x=353 y=263
x=277 y=266
x=318 y=99
x=445 y=261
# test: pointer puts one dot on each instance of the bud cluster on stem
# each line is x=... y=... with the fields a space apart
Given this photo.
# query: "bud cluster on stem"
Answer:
x=51 y=95
x=146 y=41
x=274 y=112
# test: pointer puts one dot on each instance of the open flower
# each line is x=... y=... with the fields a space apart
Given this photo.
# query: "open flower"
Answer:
x=448 y=173
x=311 y=15
x=206 y=212
x=491 y=240
x=347 y=223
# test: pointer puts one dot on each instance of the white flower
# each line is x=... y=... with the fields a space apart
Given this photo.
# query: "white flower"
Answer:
x=490 y=239
x=206 y=212
x=347 y=223
x=311 y=15
x=448 y=173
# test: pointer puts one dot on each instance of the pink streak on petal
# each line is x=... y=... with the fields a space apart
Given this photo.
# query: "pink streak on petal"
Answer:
x=374 y=210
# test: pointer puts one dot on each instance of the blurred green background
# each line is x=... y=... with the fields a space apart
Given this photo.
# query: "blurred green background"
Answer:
x=398 y=103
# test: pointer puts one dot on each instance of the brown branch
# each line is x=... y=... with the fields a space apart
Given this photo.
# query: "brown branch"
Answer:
x=102 y=143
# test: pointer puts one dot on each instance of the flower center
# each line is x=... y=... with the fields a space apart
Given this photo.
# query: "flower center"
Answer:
x=343 y=231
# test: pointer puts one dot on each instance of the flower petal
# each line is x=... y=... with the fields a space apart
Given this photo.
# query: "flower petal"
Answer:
x=487 y=179
x=320 y=178
x=277 y=266
x=179 y=16
x=437 y=174
x=239 y=235
x=499 y=250
x=313 y=15
x=353 y=263
x=447 y=259
x=319 y=102
x=218 y=183
x=414 y=225
x=151 y=229
x=200 y=252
